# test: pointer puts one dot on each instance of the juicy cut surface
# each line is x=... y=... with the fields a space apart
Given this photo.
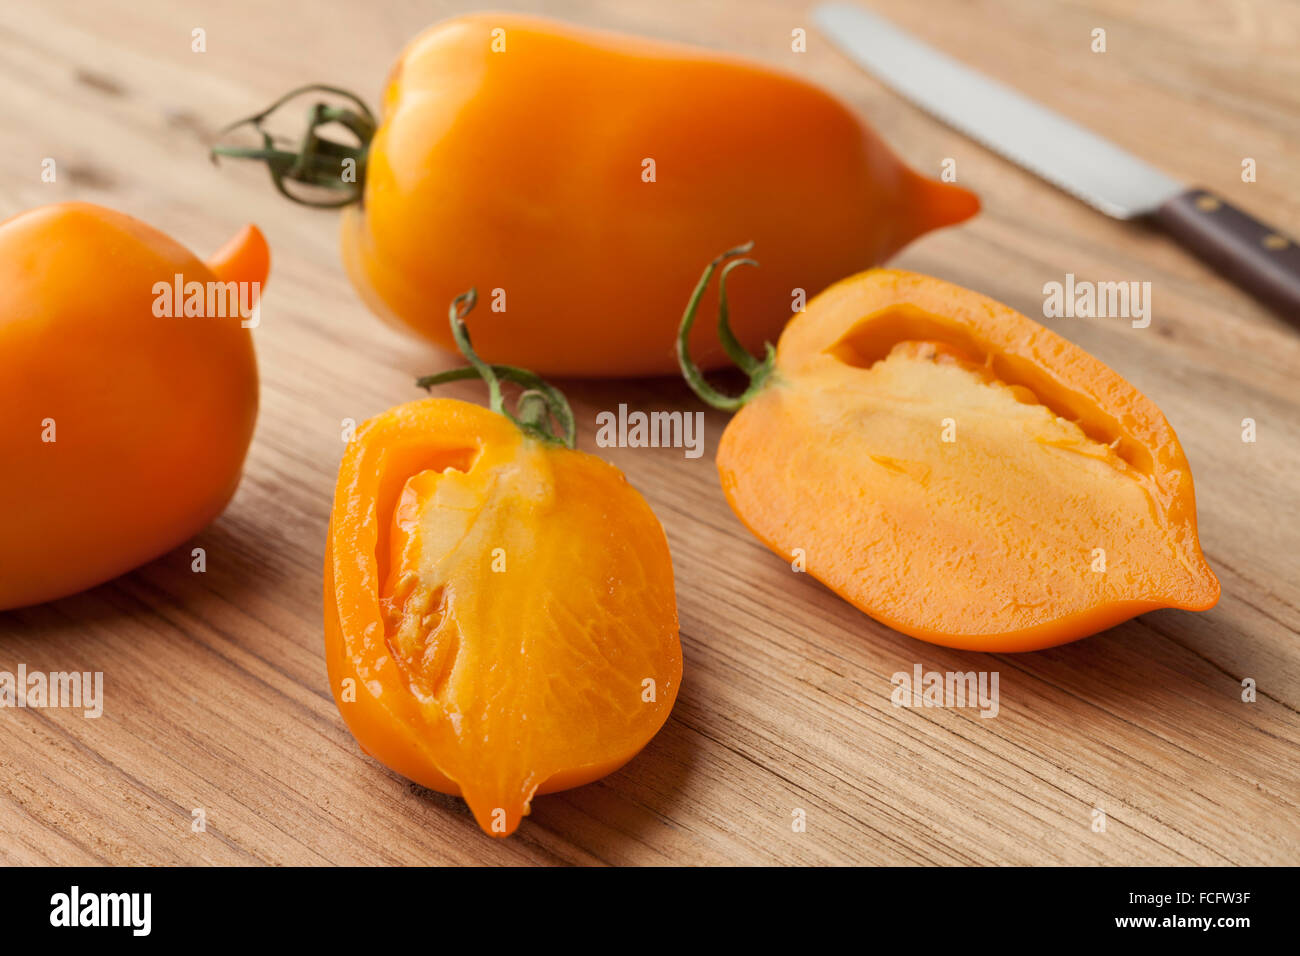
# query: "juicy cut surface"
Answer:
x=944 y=500
x=525 y=620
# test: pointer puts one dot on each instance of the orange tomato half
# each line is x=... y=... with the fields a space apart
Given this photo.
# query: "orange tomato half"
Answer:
x=500 y=618
x=963 y=474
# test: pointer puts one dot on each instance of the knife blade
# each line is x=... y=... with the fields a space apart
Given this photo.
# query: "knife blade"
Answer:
x=1259 y=258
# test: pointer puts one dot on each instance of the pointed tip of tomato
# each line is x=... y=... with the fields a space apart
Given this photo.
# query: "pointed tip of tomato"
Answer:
x=1202 y=596
x=937 y=204
x=245 y=258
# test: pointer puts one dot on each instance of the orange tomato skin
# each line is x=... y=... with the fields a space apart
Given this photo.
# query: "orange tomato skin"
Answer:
x=542 y=686
x=522 y=171
x=988 y=539
x=150 y=417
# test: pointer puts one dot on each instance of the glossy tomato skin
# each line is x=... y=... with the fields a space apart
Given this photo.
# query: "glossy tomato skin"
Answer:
x=122 y=433
x=525 y=171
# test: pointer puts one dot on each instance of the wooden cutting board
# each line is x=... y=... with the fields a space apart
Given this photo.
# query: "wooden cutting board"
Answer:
x=216 y=697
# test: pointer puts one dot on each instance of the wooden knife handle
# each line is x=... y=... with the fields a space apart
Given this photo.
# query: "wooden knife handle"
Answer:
x=1258 y=258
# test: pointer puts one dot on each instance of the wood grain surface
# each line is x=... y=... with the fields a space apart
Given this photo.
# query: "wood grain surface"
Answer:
x=215 y=687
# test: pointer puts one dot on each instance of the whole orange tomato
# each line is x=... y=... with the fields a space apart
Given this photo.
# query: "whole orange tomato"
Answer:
x=579 y=177
x=127 y=402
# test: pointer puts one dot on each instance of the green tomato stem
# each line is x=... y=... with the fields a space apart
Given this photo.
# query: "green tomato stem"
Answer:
x=540 y=406
x=318 y=162
x=758 y=370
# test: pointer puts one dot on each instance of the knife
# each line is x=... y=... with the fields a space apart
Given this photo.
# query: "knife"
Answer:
x=1258 y=258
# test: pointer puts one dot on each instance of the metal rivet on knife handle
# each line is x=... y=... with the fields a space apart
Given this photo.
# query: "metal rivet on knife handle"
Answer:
x=1238 y=246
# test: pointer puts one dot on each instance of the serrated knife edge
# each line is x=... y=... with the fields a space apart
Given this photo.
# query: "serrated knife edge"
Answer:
x=1062 y=152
